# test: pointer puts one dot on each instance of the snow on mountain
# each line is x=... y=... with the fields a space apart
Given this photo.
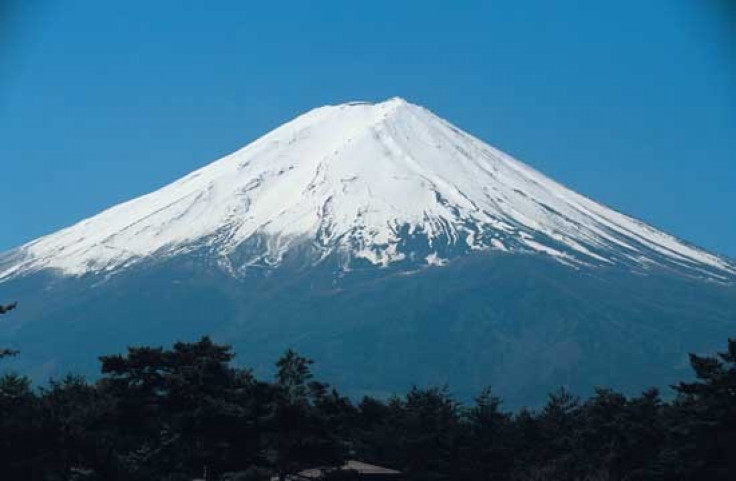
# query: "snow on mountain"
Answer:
x=357 y=180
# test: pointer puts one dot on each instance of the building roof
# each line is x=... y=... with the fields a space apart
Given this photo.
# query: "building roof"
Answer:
x=351 y=465
x=365 y=468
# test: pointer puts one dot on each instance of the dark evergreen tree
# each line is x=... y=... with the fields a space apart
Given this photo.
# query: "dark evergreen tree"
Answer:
x=377 y=435
x=704 y=416
x=301 y=432
x=429 y=428
x=8 y=308
x=182 y=411
x=69 y=414
x=484 y=448
x=4 y=309
x=21 y=455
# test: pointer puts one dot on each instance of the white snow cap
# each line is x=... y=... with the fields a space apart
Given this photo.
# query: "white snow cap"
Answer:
x=357 y=179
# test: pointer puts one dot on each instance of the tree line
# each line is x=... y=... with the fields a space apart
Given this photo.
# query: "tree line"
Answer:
x=187 y=412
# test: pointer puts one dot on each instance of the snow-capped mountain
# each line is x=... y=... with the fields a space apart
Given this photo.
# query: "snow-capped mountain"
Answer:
x=318 y=237
x=358 y=180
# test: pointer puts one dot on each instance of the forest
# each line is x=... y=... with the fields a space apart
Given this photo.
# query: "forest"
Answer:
x=188 y=412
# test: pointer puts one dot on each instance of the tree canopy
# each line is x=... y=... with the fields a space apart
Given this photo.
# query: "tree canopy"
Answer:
x=188 y=411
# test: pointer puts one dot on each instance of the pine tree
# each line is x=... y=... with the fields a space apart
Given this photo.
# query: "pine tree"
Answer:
x=705 y=413
x=3 y=310
x=430 y=427
x=182 y=411
x=301 y=433
x=8 y=308
x=21 y=454
x=485 y=451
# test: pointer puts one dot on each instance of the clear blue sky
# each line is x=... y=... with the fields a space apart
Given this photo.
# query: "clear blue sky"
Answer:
x=630 y=102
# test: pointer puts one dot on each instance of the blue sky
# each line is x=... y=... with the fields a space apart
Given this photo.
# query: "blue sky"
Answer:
x=631 y=103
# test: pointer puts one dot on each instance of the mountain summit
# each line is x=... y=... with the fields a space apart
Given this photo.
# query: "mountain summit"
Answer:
x=379 y=183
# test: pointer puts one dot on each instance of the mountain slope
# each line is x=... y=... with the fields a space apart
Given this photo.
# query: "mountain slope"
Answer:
x=524 y=325
x=382 y=183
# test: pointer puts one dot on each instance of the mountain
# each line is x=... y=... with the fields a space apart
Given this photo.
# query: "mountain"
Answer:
x=359 y=180
x=386 y=243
